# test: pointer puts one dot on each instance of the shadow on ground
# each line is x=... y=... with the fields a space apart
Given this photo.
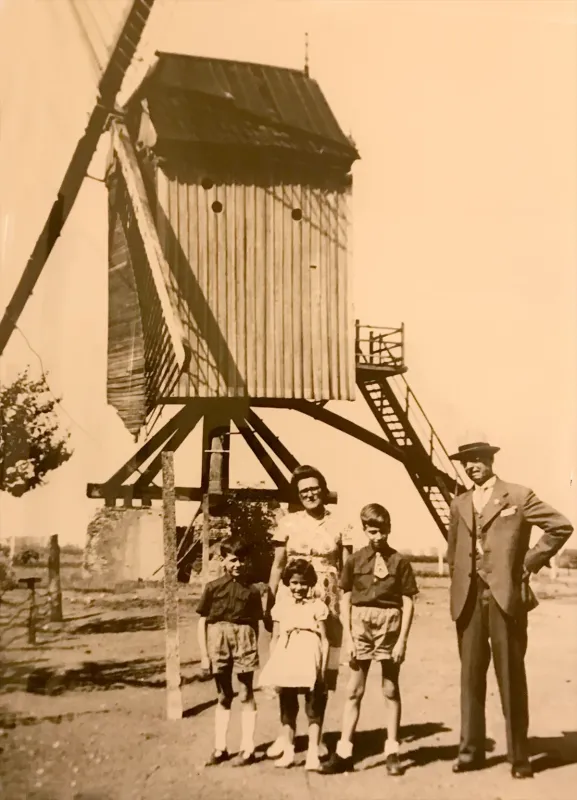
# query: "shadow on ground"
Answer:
x=121 y=625
x=10 y=720
x=546 y=752
x=372 y=742
x=549 y=752
x=93 y=676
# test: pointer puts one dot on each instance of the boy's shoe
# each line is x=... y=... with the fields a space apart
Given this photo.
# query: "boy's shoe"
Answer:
x=287 y=759
x=470 y=765
x=393 y=764
x=244 y=759
x=217 y=757
x=336 y=765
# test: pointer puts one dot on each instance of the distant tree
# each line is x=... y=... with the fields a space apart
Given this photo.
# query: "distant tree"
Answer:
x=31 y=441
x=27 y=558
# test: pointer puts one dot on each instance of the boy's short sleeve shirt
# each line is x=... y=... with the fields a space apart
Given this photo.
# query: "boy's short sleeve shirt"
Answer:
x=358 y=577
x=228 y=600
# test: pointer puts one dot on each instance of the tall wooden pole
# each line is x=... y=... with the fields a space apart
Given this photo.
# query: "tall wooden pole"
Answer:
x=54 y=585
x=173 y=693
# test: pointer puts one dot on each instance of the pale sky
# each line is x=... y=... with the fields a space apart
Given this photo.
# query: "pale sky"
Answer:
x=464 y=228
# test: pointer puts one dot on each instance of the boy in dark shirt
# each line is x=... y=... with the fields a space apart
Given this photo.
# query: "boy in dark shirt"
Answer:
x=230 y=609
x=378 y=587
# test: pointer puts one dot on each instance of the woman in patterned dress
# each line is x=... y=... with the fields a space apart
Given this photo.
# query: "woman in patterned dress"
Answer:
x=316 y=534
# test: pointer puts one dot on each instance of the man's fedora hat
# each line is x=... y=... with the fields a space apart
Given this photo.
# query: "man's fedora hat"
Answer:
x=474 y=449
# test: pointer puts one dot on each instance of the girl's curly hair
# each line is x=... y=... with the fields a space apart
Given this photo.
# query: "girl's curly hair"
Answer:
x=302 y=567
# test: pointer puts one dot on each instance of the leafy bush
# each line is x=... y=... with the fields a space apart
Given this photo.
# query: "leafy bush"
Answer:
x=27 y=558
x=31 y=444
x=248 y=522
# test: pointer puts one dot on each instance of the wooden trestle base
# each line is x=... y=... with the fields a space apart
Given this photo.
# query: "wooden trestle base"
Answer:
x=217 y=416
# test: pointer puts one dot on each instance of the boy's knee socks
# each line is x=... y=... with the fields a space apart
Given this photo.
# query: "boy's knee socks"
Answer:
x=248 y=723
x=221 y=721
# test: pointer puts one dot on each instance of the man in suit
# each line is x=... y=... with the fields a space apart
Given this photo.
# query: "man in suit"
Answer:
x=490 y=563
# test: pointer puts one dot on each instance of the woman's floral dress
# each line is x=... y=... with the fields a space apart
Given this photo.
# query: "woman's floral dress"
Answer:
x=319 y=541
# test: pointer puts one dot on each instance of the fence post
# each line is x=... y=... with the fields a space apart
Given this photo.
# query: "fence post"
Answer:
x=54 y=585
x=30 y=584
x=441 y=561
x=173 y=693
x=555 y=567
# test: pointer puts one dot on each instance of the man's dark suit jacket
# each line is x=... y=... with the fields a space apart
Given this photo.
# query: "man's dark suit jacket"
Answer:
x=506 y=523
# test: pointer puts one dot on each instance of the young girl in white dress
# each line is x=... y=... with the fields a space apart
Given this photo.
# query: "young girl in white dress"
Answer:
x=298 y=660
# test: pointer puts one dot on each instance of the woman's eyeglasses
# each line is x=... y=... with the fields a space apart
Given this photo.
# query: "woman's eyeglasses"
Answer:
x=310 y=492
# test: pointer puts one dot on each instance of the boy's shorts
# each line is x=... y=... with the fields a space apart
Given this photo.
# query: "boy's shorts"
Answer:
x=233 y=646
x=375 y=631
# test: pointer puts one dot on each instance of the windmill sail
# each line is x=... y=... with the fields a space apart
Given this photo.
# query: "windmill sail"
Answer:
x=108 y=89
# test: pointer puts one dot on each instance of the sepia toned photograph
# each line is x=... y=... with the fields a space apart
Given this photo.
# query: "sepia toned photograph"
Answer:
x=288 y=399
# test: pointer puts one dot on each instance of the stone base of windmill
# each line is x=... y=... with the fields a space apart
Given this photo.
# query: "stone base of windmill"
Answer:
x=124 y=544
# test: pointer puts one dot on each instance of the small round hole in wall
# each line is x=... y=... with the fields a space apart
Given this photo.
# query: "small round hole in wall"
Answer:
x=297 y=214
x=206 y=183
x=217 y=206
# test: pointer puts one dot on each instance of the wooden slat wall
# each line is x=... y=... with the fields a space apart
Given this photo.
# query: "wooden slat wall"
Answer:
x=265 y=298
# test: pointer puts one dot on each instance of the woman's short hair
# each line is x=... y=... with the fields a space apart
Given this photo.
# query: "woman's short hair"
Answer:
x=375 y=515
x=305 y=471
x=302 y=567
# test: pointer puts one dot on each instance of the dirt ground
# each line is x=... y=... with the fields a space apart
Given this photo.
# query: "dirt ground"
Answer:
x=83 y=713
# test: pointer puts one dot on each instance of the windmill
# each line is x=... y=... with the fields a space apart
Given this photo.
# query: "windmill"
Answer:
x=228 y=192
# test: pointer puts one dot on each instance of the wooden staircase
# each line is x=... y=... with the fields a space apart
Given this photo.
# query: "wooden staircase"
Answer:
x=380 y=378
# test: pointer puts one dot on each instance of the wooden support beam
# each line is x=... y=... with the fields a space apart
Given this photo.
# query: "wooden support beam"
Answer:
x=275 y=444
x=100 y=491
x=173 y=693
x=148 y=448
x=145 y=221
x=335 y=421
x=187 y=425
x=262 y=454
x=216 y=451
x=215 y=476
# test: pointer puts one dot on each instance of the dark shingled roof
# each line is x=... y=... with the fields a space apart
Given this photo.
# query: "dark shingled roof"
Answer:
x=215 y=101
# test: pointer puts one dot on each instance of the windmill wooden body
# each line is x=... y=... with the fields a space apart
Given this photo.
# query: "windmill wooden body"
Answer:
x=229 y=275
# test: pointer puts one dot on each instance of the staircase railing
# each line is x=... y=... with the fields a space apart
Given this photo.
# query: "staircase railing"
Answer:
x=424 y=429
x=380 y=347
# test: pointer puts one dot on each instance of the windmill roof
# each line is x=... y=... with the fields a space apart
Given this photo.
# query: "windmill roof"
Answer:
x=241 y=103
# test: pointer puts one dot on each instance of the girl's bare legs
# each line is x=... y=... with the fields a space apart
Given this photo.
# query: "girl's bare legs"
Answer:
x=289 y=708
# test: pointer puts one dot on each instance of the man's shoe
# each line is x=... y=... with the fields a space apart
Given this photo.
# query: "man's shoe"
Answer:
x=468 y=766
x=336 y=765
x=393 y=764
x=521 y=771
x=217 y=757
